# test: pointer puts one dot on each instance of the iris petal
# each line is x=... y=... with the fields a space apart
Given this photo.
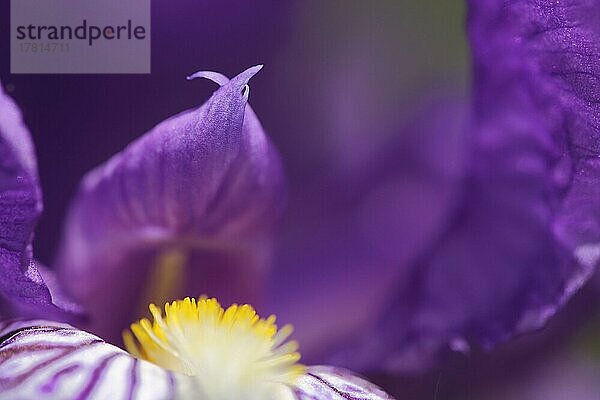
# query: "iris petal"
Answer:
x=198 y=196
x=554 y=49
x=400 y=202
x=329 y=383
x=527 y=235
x=42 y=359
x=22 y=288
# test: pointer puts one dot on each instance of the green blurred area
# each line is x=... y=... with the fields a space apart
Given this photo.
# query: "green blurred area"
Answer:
x=423 y=40
x=408 y=45
x=387 y=56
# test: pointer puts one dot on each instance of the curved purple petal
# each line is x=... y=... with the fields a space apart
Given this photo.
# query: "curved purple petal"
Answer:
x=42 y=359
x=553 y=49
x=329 y=383
x=186 y=209
x=528 y=233
x=351 y=254
x=23 y=292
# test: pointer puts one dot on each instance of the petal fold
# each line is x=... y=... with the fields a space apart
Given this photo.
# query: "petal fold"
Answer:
x=527 y=235
x=553 y=49
x=187 y=209
x=43 y=359
x=23 y=291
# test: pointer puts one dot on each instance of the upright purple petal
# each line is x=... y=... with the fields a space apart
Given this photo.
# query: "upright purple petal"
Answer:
x=528 y=233
x=22 y=289
x=42 y=359
x=187 y=209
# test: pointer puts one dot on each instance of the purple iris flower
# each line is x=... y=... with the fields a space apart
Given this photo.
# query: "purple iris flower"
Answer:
x=477 y=223
x=202 y=188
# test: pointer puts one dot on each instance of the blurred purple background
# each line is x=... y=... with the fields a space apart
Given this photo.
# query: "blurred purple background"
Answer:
x=339 y=79
x=311 y=51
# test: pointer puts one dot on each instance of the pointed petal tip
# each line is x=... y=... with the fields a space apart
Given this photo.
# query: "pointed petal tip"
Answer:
x=244 y=77
x=256 y=68
x=250 y=72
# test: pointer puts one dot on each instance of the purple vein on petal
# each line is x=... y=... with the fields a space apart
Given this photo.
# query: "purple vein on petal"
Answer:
x=49 y=386
x=133 y=379
x=95 y=376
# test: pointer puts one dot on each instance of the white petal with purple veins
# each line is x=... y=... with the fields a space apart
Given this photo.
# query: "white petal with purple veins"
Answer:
x=329 y=383
x=56 y=361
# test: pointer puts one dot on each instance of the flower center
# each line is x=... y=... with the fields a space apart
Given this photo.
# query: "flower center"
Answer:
x=230 y=354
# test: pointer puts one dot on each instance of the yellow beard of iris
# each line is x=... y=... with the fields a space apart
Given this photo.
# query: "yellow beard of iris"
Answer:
x=229 y=354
